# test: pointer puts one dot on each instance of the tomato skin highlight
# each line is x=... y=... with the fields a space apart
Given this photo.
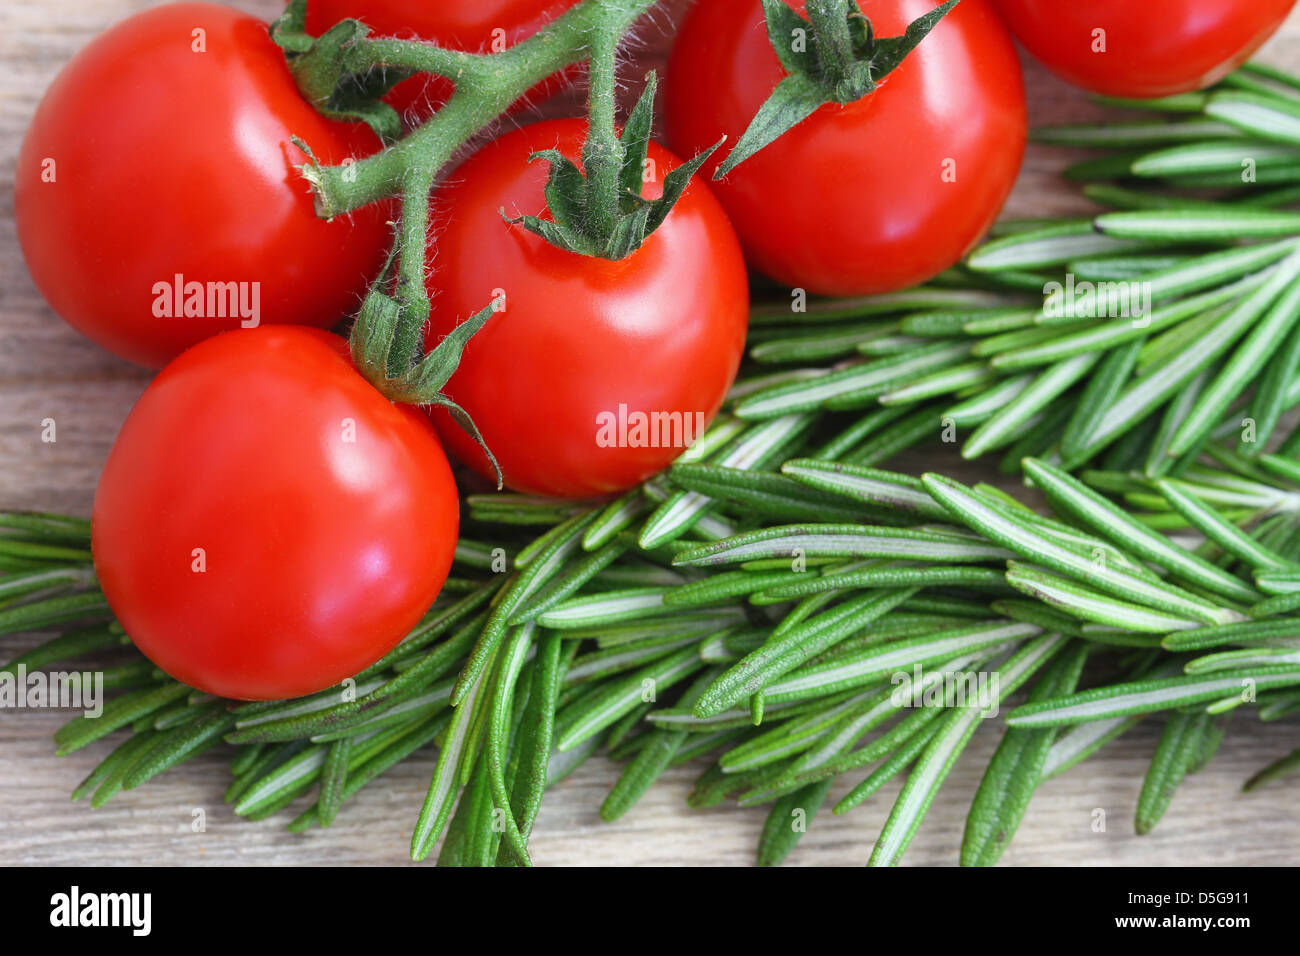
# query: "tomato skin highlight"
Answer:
x=660 y=331
x=470 y=25
x=173 y=162
x=1152 y=47
x=319 y=553
x=854 y=199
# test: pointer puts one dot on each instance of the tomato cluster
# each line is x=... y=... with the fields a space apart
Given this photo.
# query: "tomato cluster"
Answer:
x=268 y=522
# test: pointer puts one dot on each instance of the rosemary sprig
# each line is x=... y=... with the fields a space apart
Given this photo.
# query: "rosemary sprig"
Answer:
x=823 y=667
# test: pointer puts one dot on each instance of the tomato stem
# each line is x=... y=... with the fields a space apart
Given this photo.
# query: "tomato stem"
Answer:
x=488 y=85
x=602 y=154
x=412 y=296
x=456 y=65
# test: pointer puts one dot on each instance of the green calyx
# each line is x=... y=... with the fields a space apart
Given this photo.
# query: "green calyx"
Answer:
x=832 y=57
x=320 y=68
x=580 y=219
x=389 y=351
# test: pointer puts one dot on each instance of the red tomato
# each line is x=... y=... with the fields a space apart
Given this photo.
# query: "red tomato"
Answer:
x=162 y=151
x=558 y=380
x=869 y=197
x=1143 y=48
x=476 y=25
x=267 y=523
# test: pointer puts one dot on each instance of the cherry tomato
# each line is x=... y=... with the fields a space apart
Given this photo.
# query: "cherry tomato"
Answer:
x=156 y=196
x=1143 y=48
x=267 y=523
x=582 y=349
x=871 y=196
x=476 y=25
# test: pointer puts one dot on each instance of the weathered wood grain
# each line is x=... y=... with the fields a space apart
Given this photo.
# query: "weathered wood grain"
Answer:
x=47 y=370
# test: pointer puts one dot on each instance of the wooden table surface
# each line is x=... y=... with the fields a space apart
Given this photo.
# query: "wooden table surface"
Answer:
x=48 y=371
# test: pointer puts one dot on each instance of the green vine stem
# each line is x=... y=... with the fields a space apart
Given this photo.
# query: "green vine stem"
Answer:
x=412 y=296
x=602 y=154
x=486 y=85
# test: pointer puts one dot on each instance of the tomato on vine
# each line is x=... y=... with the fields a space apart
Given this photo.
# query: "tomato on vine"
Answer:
x=1143 y=49
x=156 y=197
x=267 y=523
x=883 y=188
x=583 y=349
x=475 y=26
